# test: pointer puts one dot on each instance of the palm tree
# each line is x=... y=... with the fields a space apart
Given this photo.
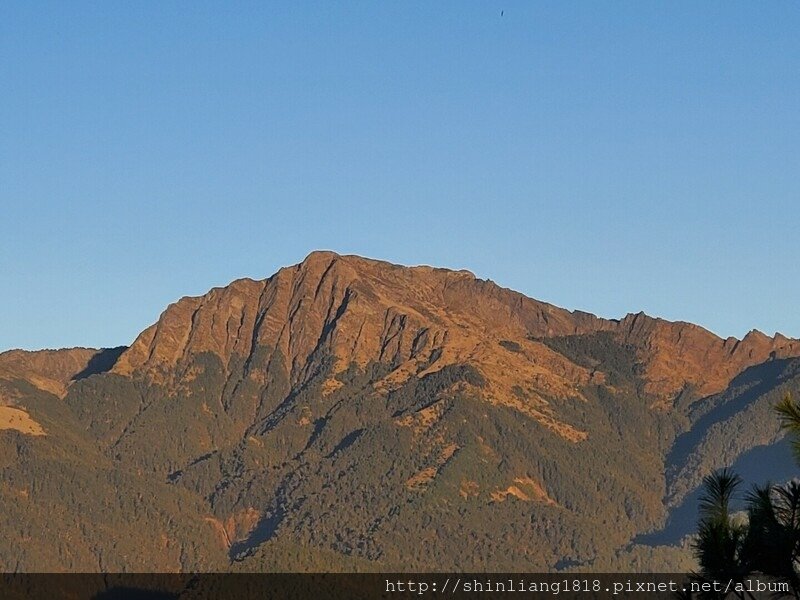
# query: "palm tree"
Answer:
x=789 y=412
x=720 y=544
x=772 y=545
x=768 y=541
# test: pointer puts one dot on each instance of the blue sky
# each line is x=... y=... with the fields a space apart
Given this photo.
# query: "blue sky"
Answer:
x=612 y=157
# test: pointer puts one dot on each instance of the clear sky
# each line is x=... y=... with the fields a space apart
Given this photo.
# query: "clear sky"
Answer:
x=608 y=156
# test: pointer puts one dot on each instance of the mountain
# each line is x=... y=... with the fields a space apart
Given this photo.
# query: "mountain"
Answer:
x=351 y=414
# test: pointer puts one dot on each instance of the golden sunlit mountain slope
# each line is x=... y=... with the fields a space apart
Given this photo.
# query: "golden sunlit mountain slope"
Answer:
x=352 y=411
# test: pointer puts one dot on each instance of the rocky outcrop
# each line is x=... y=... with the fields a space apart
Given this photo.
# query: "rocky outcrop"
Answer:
x=676 y=355
x=421 y=319
x=53 y=370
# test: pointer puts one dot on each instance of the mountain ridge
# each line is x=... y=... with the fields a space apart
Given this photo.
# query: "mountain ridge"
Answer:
x=521 y=317
x=777 y=337
x=342 y=405
x=342 y=294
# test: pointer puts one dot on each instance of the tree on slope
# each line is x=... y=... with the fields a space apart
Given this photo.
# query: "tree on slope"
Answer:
x=731 y=547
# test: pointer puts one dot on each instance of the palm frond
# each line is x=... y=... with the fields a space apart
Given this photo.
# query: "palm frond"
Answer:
x=789 y=412
x=718 y=490
x=787 y=505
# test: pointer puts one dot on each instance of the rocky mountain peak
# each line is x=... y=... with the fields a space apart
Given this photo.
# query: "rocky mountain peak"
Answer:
x=418 y=320
x=262 y=406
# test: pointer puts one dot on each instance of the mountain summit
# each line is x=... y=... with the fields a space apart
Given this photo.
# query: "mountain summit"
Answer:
x=346 y=410
x=356 y=311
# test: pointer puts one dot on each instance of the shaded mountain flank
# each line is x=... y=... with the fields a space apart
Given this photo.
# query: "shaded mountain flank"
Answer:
x=349 y=414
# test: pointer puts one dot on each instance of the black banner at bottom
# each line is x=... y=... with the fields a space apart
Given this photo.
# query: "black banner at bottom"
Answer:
x=335 y=586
